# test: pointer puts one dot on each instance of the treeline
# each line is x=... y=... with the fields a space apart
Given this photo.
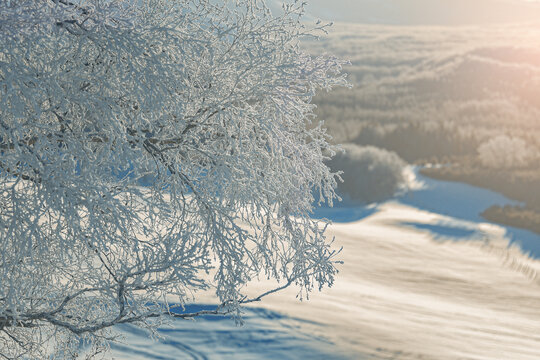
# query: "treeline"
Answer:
x=516 y=216
x=518 y=184
x=420 y=141
x=442 y=142
x=521 y=185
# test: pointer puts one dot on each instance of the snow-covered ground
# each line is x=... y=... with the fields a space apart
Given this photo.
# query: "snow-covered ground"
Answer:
x=265 y=335
x=423 y=278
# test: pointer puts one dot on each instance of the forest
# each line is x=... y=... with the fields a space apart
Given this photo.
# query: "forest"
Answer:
x=443 y=100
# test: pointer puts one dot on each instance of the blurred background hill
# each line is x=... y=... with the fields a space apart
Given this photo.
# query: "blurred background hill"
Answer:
x=463 y=99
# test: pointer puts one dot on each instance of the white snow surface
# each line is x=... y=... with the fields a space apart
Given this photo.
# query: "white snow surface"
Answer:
x=423 y=278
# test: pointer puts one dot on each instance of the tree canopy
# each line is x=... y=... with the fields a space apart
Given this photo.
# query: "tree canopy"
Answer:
x=150 y=149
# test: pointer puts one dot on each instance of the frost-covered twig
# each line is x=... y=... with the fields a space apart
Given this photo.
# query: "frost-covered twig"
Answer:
x=149 y=150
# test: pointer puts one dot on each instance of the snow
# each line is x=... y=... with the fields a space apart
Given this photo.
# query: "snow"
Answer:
x=423 y=278
x=265 y=335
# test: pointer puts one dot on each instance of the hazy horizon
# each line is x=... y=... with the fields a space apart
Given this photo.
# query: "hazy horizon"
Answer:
x=424 y=12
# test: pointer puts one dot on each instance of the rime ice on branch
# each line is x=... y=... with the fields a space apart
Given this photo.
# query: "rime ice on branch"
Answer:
x=144 y=145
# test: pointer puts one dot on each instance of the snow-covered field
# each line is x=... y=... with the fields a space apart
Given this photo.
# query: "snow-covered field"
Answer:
x=423 y=278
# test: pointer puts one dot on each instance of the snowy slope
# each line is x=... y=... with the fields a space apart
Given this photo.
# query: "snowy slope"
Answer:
x=266 y=335
x=423 y=278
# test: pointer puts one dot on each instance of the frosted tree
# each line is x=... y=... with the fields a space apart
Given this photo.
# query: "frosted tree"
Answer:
x=148 y=150
x=504 y=152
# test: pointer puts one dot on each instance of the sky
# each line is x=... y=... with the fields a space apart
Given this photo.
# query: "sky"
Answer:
x=426 y=12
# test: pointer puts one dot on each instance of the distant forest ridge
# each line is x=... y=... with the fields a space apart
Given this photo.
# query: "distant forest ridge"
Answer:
x=463 y=97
